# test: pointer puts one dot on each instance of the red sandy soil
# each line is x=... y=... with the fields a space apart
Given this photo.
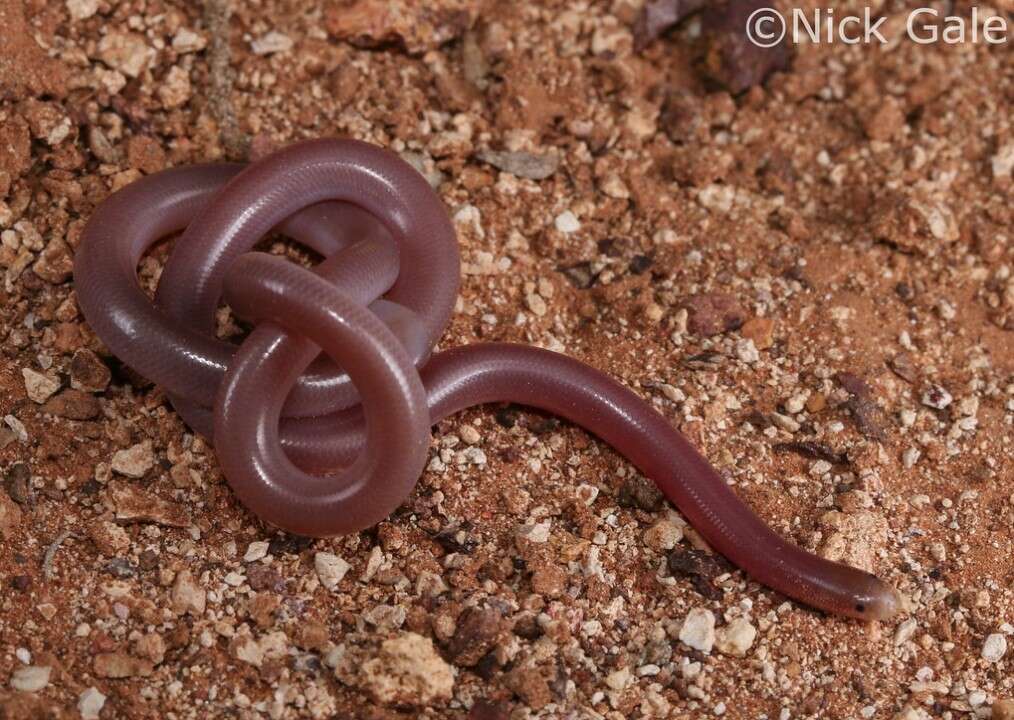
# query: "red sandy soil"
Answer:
x=811 y=278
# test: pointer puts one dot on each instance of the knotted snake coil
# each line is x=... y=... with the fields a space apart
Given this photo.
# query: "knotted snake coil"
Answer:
x=321 y=417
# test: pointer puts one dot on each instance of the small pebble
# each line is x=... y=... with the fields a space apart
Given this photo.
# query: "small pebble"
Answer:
x=256 y=551
x=784 y=422
x=30 y=678
x=330 y=569
x=40 y=387
x=470 y=435
x=272 y=42
x=82 y=9
x=126 y=52
x=536 y=304
x=937 y=398
x=90 y=703
x=736 y=638
x=188 y=596
x=187 y=41
x=796 y=403
x=536 y=533
x=587 y=493
x=747 y=352
x=994 y=648
x=618 y=679
x=663 y=535
x=135 y=461
x=905 y=631
x=698 y=630
x=566 y=222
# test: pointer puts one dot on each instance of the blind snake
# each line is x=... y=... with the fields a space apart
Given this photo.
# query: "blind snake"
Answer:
x=321 y=417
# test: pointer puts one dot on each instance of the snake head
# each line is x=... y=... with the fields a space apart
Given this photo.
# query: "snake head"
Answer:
x=876 y=600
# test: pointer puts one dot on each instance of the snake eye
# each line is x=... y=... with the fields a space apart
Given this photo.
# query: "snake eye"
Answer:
x=860 y=607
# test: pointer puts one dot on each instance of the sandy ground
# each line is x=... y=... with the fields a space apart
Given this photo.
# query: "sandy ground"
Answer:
x=811 y=278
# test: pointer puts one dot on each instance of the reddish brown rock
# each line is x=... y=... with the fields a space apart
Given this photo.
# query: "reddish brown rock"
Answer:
x=1003 y=710
x=530 y=684
x=312 y=635
x=713 y=313
x=417 y=27
x=476 y=633
x=135 y=505
x=29 y=706
x=151 y=647
x=263 y=606
x=120 y=665
x=88 y=372
x=550 y=580
x=761 y=330
x=914 y=222
x=868 y=416
x=73 y=405
x=733 y=59
x=264 y=577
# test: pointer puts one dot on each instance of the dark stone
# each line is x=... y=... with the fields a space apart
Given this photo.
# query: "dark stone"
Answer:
x=88 y=372
x=640 y=264
x=637 y=492
x=527 y=627
x=477 y=632
x=263 y=577
x=289 y=545
x=507 y=417
x=18 y=483
x=543 y=425
x=579 y=275
x=73 y=405
x=733 y=60
x=121 y=568
x=815 y=450
x=457 y=539
x=867 y=414
x=697 y=566
x=658 y=16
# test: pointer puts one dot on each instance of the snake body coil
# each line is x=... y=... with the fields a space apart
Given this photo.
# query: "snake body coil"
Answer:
x=321 y=417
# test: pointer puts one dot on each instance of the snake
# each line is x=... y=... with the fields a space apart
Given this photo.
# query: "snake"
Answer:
x=321 y=416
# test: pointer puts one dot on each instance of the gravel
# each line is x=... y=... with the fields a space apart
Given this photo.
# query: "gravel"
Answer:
x=994 y=647
x=330 y=569
x=698 y=630
x=839 y=232
x=31 y=678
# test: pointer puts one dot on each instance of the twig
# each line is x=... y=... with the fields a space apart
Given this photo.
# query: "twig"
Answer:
x=47 y=559
x=216 y=18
